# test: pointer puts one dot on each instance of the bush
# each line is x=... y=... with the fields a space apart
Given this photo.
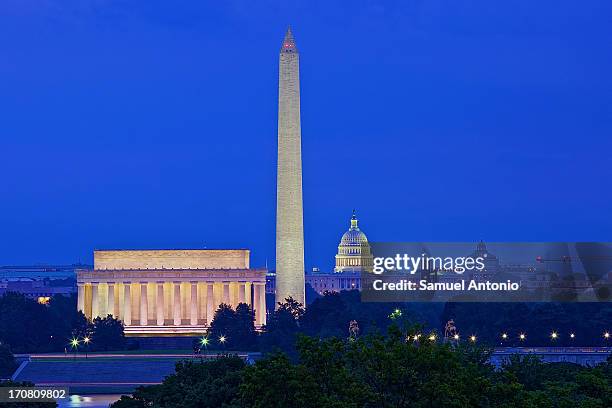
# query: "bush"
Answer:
x=7 y=362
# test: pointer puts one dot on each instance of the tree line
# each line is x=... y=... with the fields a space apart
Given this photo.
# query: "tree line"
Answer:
x=379 y=371
x=29 y=327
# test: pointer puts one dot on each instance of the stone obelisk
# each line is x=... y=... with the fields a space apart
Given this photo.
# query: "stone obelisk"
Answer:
x=289 y=214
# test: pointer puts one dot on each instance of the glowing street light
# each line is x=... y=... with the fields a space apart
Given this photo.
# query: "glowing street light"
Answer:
x=75 y=345
x=606 y=335
x=456 y=337
x=222 y=339
x=432 y=337
x=554 y=335
x=522 y=336
x=572 y=335
x=204 y=341
x=396 y=313
x=86 y=340
x=504 y=336
x=473 y=338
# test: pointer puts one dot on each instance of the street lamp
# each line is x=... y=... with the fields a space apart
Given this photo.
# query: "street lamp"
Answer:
x=396 y=313
x=522 y=336
x=75 y=345
x=473 y=338
x=86 y=341
x=554 y=335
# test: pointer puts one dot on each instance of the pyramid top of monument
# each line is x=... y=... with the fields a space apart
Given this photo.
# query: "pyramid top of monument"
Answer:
x=289 y=42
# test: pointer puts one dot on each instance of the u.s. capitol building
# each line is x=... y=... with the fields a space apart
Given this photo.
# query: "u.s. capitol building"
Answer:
x=353 y=257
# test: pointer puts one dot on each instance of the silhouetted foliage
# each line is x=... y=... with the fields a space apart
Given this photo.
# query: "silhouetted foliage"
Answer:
x=282 y=327
x=107 y=334
x=379 y=371
x=196 y=384
x=236 y=326
x=587 y=321
x=7 y=362
x=27 y=326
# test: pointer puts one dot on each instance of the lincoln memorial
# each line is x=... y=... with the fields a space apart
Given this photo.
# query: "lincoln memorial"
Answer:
x=169 y=292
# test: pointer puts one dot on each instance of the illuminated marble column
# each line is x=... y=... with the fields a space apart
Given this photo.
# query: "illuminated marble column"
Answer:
x=176 y=303
x=247 y=293
x=95 y=299
x=226 y=296
x=233 y=294
x=241 y=294
x=160 y=303
x=210 y=303
x=110 y=306
x=127 y=303
x=260 y=303
x=217 y=294
x=194 y=304
x=144 y=307
x=81 y=297
x=202 y=301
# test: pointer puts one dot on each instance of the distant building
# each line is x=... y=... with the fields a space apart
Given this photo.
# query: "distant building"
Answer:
x=39 y=282
x=334 y=282
x=41 y=271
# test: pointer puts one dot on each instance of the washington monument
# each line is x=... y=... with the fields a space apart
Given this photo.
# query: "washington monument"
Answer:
x=289 y=213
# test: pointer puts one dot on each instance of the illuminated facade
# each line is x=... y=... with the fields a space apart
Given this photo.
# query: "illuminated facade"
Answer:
x=169 y=292
x=354 y=254
x=289 y=214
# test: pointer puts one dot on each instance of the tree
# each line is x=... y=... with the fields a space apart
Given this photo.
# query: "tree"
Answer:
x=68 y=322
x=538 y=320
x=244 y=333
x=107 y=334
x=7 y=362
x=378 y=370
x=28 y=326
x=276 y=382
x=236 y=327
x=282 y=327
x=196 y=384
x=25 y=325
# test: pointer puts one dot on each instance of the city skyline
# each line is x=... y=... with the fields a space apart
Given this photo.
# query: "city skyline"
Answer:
x=159 y=131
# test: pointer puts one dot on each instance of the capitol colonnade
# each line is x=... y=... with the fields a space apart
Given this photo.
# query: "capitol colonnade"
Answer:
x=159 y=299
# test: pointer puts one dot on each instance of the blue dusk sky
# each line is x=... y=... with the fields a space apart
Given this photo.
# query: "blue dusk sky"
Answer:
x=152 y=124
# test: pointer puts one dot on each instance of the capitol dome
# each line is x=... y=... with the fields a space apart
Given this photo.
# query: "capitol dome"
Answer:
x=354 y=253
x=354 y=236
